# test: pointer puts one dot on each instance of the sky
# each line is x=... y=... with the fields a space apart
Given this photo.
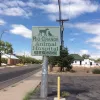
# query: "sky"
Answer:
x=81 y=32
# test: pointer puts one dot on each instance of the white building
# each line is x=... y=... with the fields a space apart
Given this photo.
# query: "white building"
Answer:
x=80 y=62
x=84 y=63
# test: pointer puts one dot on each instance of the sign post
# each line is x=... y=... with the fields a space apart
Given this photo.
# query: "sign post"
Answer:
x=45 y=42
x=44 y=80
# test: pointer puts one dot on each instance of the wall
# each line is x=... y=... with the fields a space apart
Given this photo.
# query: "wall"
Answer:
x=12 y=61
x=88 y=63
x=85 y=63
x=76 y=63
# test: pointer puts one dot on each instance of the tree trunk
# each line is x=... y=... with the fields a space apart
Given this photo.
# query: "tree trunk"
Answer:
x=62 y=69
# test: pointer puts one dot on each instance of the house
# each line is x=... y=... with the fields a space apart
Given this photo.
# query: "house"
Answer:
x=11 y=59
x=79 y=61
x=88 y=63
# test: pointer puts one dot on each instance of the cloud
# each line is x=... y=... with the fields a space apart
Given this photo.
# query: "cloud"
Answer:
x=70 y=8
x=15 y=12
x=72 y=39
x=76 y=34
x=89 y=28
x=16 y=8
x=95 y=56
x=92 y=28
x=2 y=22
x=21 y=30
x=28 y=54
x=84 y=52
x=97 y=46
x=95 y=40
x=92 y=55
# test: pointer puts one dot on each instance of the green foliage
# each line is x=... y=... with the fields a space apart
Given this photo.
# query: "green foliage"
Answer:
x=6 y=47
x=19 y=64
x=28 y=60
x=98 y=60
x=96 y=71
x=3 y=60
x=64 y=60
x=65 y=94
x=31 y=93
x=85 y=56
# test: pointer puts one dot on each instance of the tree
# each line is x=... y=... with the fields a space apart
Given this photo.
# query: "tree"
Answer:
x=6 y=47
x=28 y=60
x=64 y=60
x=85 y=56
x=98 y=60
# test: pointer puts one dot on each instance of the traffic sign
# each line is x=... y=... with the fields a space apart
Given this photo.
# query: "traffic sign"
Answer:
x=46 y=41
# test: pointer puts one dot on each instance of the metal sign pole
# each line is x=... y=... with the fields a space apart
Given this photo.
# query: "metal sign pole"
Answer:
x=44 y=80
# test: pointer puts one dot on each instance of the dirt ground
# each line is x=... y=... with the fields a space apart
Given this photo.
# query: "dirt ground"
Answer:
x=84 y=69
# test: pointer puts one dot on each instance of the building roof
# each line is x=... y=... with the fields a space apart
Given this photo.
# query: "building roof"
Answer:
x=9 y=56
x=77 y=57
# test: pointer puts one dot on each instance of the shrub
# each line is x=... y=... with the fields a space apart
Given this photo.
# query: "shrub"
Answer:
x=3 y=60
x=96 y=71
x=65 y=94
x=19 y=64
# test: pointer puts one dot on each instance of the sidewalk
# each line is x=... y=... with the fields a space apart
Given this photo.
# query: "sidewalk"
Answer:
x=19 y=90
x=2 y=67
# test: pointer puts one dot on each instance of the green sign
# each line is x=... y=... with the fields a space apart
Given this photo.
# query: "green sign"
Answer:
x=46 y=41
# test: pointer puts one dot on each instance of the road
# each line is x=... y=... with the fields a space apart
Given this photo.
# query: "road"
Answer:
x=9 y=76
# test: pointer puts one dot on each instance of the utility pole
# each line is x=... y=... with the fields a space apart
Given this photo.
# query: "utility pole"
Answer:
x=61 y=22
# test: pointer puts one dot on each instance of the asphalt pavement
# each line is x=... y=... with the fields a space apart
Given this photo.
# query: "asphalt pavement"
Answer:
x=12 y=69
x=10 y=76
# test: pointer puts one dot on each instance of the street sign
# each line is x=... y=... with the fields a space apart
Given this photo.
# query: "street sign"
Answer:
x=46 y=41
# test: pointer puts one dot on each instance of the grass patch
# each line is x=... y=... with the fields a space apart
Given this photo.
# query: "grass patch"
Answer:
x=96 y=71
x=19 y=64
x=14 y=85
x=29 y=94
x=65 y=94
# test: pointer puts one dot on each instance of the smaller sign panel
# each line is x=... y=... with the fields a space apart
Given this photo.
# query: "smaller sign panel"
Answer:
x=46 y=41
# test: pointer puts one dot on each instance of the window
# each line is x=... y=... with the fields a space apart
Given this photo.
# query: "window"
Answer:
x=75 y=61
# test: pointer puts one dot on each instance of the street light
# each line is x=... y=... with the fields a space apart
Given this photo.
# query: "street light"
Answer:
x=0 y=43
